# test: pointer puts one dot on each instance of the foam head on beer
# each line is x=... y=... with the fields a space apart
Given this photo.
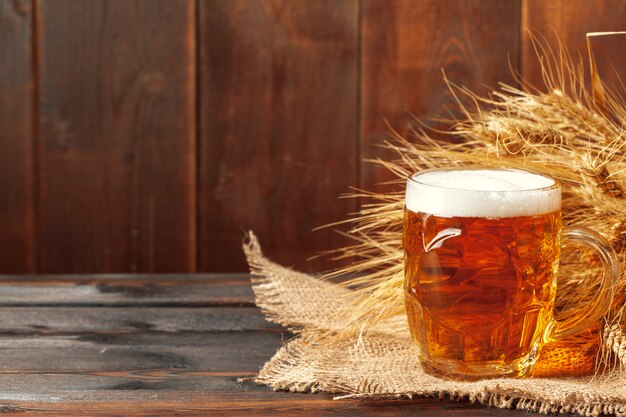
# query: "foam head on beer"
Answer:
x=492 y=193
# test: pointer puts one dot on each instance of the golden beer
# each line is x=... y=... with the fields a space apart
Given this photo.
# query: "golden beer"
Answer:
x=481 y=255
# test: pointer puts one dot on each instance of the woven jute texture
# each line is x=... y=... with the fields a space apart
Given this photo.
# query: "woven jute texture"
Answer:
x=381 y=364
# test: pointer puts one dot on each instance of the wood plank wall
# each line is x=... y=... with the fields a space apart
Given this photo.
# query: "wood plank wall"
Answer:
x=147 y=135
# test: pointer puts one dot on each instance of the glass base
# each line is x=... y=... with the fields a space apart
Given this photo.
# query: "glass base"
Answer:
x=458 y=370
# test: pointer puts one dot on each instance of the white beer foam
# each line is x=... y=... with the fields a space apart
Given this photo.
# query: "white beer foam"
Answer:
x=482 y=193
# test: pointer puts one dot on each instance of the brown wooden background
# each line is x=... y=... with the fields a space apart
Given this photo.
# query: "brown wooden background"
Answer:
x=147 y=135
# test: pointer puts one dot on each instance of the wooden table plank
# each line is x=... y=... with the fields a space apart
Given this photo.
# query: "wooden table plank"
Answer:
x=282 y=404
x=67 y=320
x=145 y=279
x=127 y=290
x=234 y=353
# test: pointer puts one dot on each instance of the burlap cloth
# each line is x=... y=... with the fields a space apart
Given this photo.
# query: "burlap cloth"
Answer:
x=381 y=364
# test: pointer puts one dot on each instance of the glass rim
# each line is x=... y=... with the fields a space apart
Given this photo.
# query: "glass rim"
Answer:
x=412 y=178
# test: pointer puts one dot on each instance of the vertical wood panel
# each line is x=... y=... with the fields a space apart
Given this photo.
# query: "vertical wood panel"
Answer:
x=278 y=126
x=405 y=44
x=570 y=20
x=17 y=246
x=117 y=116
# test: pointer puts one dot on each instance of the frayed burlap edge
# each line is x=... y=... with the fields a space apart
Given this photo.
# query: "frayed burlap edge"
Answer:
x=276 y=287
x=380 y=365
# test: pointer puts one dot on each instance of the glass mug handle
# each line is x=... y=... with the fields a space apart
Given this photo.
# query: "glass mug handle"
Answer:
x=600 y=305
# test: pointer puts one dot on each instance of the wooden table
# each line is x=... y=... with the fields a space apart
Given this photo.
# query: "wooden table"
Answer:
x=155 y=345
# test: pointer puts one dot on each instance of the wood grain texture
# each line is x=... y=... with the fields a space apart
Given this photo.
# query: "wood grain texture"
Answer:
x=207 y=290
x=147 y=354
x=143 y=361
x=405 y=45
x=117 y=120
x=102 y=167
x=569 y=20
x=116 y=319
x=249 y=401
x=17 y=135
x=278 y=82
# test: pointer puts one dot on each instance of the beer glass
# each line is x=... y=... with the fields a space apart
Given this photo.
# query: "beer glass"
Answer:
x=482 y=251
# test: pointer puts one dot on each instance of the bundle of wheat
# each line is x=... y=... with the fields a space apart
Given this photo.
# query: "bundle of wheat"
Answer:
x=565 y=130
